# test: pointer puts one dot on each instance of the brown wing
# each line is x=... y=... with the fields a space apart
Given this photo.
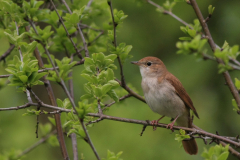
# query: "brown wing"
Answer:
x=181 y=92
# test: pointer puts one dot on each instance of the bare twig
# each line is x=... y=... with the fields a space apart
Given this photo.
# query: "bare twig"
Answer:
x=7 y=53
x=79 y=31
x=212 y=44
x=132 y=92
x=69 y=36
x=120 y=99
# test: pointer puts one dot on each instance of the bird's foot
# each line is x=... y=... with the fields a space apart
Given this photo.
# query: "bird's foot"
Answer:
x=170 y=126
x=154 y=123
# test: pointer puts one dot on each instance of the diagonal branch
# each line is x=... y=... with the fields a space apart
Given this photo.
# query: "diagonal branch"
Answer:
x=212 y=44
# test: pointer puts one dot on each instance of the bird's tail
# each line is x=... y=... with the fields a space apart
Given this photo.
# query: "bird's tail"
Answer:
x=190 y=146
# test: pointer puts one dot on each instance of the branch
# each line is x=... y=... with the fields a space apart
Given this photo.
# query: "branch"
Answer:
x=67 y=93
x=192 y=131
x=213 y=46
x=132 y=92
x=7 y=53
x=69 y=36
x=120 y=99
x=166 y=12
x=79 y=30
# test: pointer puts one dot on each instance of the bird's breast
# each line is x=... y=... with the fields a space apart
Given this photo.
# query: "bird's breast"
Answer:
x=162 y=98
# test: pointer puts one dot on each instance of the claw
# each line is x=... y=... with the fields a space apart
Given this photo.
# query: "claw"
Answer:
x=155 y=122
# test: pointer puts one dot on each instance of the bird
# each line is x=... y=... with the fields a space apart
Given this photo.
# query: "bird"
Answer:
x=165 y=95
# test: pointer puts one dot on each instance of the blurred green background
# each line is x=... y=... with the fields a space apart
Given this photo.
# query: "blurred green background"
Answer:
x=151 y=34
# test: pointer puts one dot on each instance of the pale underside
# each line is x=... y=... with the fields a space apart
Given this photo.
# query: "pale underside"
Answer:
x=162 y=99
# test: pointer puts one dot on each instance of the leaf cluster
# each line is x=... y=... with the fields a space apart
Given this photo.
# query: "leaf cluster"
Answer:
x=24 y=73
x=226 y=53
x=99 y=73
x=64 y=69
x=217 y=152
x=113 y=156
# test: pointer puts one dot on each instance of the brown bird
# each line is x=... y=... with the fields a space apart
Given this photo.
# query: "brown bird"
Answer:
x=165 y=95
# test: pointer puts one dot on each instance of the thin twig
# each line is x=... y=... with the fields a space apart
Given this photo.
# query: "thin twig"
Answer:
x=120 y=99
x=79 y=31
x=123 y=84
x=213 y=46
x=169 y=13
x=89 y=3
x=19 y=49
x=69 y=36
x=7 y=53
x=134 y=94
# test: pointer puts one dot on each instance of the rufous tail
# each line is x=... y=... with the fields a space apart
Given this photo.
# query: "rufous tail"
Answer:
x=190 y=146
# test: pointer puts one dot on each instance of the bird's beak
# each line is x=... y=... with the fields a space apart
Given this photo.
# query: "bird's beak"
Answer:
x=135 y=62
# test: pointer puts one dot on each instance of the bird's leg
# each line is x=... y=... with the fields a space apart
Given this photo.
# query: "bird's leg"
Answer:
x=170 y=125
x=155 y=122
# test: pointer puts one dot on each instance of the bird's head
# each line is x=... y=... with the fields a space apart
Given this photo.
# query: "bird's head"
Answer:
x=151 y=67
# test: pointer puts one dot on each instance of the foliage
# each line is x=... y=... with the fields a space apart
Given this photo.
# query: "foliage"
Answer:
x=112 y=156
x=48 y=34
x=217 y=152
x=24 y=73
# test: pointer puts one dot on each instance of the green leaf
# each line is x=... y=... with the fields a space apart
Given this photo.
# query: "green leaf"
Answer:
x=185 y=38
x=59 y=103
x=40 y=75
x=11 y=38
x=87 y=77
x=23 y=78
x=113 y=95
x=111 y=56
x=86 y=96
x=106 y=87
x=114 y=84
x=237 y=83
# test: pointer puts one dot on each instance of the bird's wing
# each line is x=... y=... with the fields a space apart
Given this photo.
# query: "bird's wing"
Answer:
x=181 y=92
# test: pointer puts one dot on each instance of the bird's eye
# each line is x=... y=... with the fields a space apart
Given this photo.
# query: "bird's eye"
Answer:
x=149 y=63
